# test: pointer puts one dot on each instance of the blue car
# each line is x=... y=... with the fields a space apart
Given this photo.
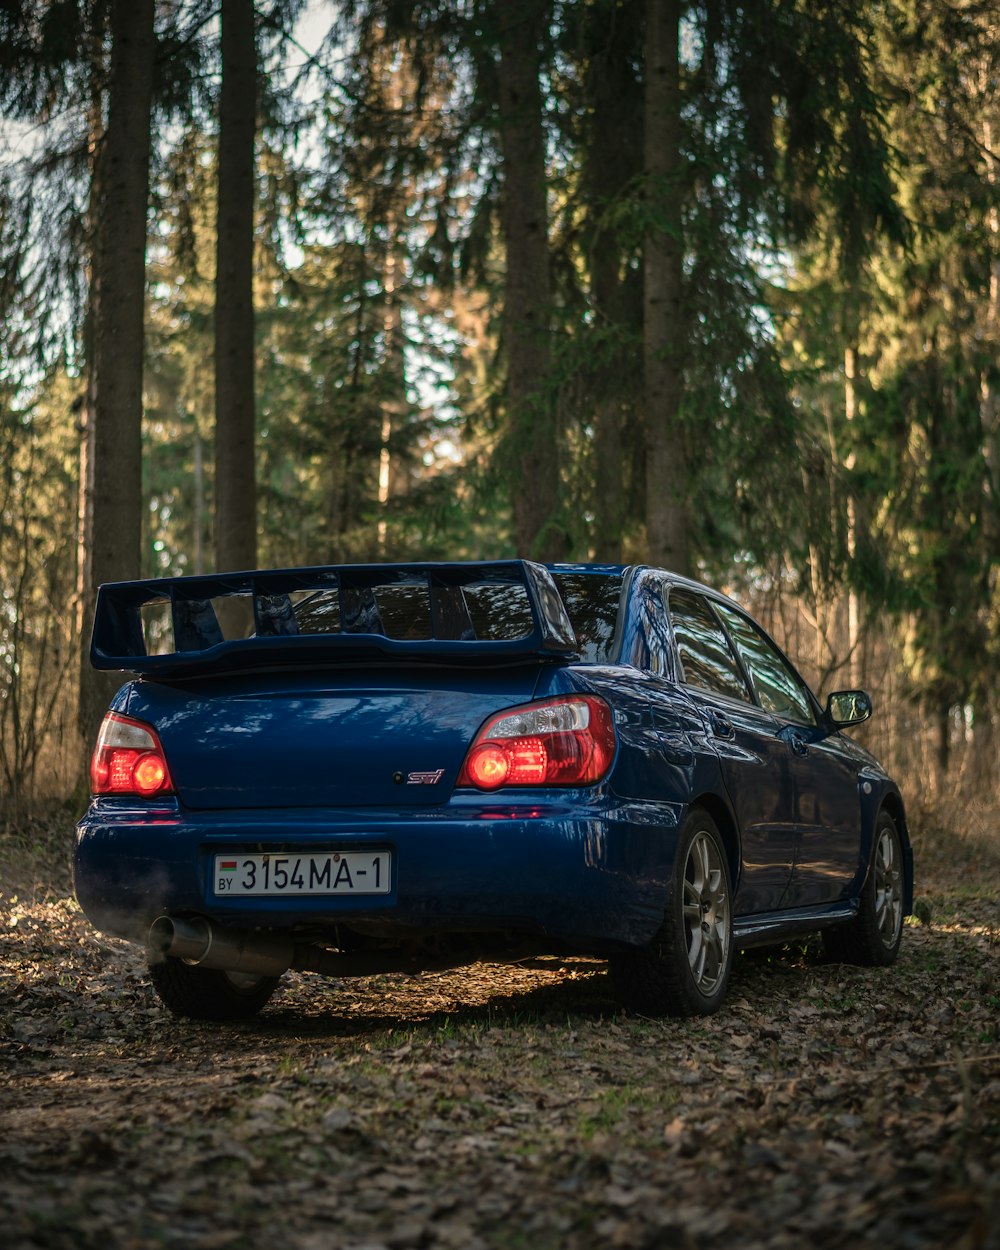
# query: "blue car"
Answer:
x=357 y=769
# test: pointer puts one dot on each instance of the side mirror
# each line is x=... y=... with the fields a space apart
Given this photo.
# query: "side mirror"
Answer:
x=848 y=707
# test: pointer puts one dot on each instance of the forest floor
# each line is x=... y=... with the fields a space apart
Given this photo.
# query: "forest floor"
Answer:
x=496 y=1107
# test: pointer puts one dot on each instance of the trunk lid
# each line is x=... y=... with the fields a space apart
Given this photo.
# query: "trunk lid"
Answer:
x=357 y=738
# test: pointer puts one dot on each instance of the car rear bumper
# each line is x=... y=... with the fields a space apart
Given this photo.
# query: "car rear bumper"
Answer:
x=584 y=871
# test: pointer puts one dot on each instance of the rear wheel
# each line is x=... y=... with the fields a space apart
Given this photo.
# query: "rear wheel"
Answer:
x=684 y=971
x=872 y=938
x=208 y=993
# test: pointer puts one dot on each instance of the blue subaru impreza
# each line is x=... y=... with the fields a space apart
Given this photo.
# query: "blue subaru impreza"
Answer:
x=355 y=769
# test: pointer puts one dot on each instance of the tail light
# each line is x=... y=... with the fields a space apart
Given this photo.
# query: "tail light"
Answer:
x=568 y=741
x=129 y=759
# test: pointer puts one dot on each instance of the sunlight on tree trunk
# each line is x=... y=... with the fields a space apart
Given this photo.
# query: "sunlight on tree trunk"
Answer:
x=392 y=403
x=199 y=496
x=855 y=676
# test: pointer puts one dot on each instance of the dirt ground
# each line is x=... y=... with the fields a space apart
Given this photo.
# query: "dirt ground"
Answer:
x=825 y=1106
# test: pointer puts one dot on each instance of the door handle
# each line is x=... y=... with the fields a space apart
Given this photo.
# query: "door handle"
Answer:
x=722 y=726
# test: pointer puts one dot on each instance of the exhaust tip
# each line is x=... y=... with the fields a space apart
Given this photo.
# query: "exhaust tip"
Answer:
x=161 y=936
x=180 y=939
x=197 y=941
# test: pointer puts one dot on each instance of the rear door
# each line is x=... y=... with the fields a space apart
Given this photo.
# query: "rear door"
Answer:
x=755 y=761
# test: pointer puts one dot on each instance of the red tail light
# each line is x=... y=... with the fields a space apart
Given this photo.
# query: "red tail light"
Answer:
x=568 y=741
x=129 y=759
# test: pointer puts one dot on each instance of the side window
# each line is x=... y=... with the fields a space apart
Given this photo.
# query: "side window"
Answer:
x=704 y=652
x=779 y=688
x=657 y=637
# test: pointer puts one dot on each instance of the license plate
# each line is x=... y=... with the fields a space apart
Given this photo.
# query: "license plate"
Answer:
x=350 y=872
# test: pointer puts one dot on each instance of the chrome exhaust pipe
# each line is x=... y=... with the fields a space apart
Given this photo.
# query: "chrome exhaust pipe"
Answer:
x=201 y=943
x=197 y=941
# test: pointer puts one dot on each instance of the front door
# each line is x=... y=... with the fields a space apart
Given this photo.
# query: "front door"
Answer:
x=827 y=808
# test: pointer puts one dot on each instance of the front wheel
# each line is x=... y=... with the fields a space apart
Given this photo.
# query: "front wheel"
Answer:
x=684 y=971
x=209 y=993
x=872 y=938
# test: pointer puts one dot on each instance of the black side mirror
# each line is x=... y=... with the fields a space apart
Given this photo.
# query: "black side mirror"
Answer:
x=848 y=707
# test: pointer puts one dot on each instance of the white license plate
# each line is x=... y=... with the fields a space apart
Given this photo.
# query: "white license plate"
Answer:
x=351 y=872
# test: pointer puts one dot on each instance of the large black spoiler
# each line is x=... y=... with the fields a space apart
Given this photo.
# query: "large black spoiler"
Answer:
x=500 y=612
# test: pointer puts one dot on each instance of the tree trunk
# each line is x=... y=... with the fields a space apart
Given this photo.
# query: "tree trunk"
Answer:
x=984 y=743
x=986 y=708
x=663 y=326
x=533 y=435
x=235 y=478
x=112 y=504
x=199 y=497
x=612 y=161
x=393 y=395
x=855 y=667
x=942 y=757
x=988 y=388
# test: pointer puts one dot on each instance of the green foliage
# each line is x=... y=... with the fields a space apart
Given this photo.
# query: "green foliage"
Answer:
x=38 y=627
x=916 y=302
x=838 y=203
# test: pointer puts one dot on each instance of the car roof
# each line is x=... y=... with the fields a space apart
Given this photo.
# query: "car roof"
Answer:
x=627 y=571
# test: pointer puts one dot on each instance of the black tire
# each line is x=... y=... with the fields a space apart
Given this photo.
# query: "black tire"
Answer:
x=684 y=971
x=208 y=993
x=872 y=938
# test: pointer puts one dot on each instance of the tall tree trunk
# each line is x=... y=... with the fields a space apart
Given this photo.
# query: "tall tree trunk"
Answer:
x=610 y=504
x=855 y=666
x=394 y=386
x=113 y=461
x=986 y=708
x=199 y=497
x=989 y=391
x=533 y=436
x=612 y=161
x=663 y=326
x=235 y=478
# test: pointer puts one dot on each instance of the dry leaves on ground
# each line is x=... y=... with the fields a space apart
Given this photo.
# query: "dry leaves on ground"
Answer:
x=503 y=1106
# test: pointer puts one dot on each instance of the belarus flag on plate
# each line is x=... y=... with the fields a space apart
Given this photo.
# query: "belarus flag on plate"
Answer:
x=227 y=865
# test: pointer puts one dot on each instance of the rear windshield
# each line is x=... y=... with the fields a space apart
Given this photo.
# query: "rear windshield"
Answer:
x=478 y=611
x=405 y=608
x=592 y=601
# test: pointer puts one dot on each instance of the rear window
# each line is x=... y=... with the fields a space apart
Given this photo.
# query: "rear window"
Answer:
x=485 y=611
x=498 y=612
x=592 y=601
x=412 y=612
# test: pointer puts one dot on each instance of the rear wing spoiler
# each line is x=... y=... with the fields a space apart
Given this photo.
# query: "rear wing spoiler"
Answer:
x=500 y=612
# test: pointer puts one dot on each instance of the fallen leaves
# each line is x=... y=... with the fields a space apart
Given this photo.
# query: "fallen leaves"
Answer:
x=500 y=1107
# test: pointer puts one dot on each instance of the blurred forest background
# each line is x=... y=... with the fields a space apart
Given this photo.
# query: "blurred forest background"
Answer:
x=711 y=284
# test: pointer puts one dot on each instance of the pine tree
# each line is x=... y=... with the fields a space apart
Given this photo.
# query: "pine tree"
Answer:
x=112 y=474
x=667 y=483
x=235 y=350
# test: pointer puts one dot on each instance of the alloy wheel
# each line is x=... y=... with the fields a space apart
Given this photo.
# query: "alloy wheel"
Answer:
x=888 y=887
x=706 y=913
